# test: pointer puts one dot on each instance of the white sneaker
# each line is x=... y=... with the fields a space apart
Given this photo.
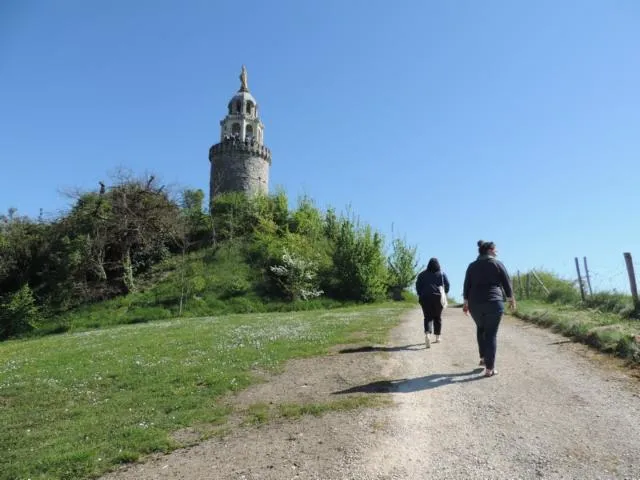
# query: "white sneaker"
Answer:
x=437 y=339
x=427 y=342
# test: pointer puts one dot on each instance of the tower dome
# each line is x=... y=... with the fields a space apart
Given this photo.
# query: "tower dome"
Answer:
x=240 y=162
x=240 y=98
x=242 y=120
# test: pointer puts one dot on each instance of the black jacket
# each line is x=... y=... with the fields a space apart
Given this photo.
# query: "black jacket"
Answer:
x=428 y=283
x=485 y=280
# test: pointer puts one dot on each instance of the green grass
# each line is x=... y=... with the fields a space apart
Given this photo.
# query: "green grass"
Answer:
x=261 y=413
x=345 y=404
x=76 y=405
x=608 y=332
x=216 y=282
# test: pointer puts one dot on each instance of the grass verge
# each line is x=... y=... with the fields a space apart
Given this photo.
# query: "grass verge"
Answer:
x=77 y=405
x=261 y=413
x=608 y=332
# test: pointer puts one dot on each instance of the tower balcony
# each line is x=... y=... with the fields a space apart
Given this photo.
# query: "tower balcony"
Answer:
x=235 y=145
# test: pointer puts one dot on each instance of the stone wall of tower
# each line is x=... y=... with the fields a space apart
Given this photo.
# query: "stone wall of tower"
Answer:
x=239 y=167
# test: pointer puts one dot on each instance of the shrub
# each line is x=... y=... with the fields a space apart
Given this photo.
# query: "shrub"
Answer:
x=359 y=263
x=296 y=277
x=19 y=314
x=234 y=288
x=307 y=219
x=403 y=266
x=560 y=290
x=611 y=302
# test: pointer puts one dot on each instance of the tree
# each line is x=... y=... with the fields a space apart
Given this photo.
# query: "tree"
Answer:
x=359 y=263
x=197 y=222
x=19 y=314
x=403 y=266
x=142 y=224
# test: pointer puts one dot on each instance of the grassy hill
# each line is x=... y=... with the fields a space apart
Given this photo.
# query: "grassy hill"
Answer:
x=208 y=281
x=131 y=253
x=160 y=307
x=78 y=404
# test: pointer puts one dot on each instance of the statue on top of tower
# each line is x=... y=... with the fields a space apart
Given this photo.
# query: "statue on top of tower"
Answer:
x=243 y=80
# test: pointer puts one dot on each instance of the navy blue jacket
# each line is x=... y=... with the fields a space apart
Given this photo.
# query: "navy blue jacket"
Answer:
x=428 y=283
x=485 y=280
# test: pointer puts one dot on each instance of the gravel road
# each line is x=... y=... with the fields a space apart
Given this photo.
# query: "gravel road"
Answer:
x=555 y=411
x=551 y=412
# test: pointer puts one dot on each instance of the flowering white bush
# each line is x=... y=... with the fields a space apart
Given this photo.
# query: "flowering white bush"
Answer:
x=296 y=277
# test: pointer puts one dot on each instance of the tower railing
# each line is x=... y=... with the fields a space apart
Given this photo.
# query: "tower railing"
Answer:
x=234 y=144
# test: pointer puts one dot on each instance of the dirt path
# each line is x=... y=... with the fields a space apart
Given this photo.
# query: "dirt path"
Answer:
x=553 y=412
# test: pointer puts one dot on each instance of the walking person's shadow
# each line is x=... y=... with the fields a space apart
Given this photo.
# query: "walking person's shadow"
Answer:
x=407 y=385
x=372 y=348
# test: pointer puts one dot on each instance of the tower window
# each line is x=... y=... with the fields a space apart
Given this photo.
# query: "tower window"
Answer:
x=249 y=131
x=239 y=106
x=235 y=129
x=249 y=107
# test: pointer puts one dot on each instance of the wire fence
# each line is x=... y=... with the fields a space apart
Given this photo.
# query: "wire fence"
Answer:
x=590 y=286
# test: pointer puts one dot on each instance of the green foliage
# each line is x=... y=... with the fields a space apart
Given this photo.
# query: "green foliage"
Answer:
x=23 y=250
x=612 y=302
x=198 y=223
x=297 y=277
x=560 y=290
x=234 y=215
x=130 y=253
x=608 y=332
x=566 y=292
x=360 y=270
x=235 y=287
x=331 y=225
x=306 y=220
x=19 y=314
x=403 y=264
x=95 y=251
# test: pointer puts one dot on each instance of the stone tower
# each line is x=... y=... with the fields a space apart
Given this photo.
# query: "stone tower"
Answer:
x=240 y=162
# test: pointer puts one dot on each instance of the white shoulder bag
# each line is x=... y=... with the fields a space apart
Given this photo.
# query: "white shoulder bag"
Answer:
x=443 y=294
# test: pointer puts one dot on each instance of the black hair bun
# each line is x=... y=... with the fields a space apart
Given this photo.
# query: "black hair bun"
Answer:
x=480 y=242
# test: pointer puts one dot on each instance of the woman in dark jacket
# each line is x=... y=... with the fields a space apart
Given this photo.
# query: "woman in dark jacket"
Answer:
x=430 y=300
x=486 y=283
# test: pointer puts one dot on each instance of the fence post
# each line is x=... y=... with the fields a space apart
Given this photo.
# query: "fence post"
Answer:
x=580 y=279
x=535 y=275
x=528 y=286
x=632 y=278
x=519 y=285
x=586 y=274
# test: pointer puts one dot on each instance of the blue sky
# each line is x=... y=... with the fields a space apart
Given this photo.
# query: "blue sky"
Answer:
x=517 y=122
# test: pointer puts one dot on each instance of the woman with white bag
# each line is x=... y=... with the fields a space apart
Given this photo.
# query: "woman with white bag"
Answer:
x=432 y=286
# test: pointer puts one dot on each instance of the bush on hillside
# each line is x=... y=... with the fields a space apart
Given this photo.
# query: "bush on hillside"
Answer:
x=567 y=292
x=296 y=277
x=234 y=215
x=19 y=314
x=133 y=252
x=403 y=266
x=559 y=290
x=360 y=266
x=613 y=302
x=198 y=226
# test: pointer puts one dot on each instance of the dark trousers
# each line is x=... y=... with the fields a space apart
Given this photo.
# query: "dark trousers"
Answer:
x=432 y=312
x=487 y=317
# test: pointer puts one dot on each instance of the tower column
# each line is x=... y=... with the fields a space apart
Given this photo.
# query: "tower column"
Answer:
x=236 y=166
